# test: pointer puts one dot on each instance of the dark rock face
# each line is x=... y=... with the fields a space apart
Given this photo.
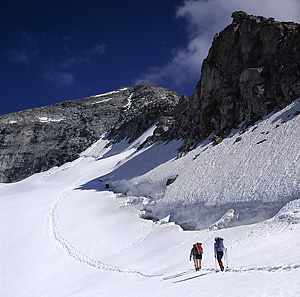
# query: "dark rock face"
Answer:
x=252 y=69
x=148 y=104
x=35 y=140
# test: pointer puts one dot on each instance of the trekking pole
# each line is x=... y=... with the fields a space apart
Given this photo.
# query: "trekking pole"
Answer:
x=226 y=258
x=216 y=263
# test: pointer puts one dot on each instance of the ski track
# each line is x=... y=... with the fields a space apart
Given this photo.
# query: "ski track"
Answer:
x=66 y=247
x=265 y=268
x=76 y=255
x=270 y=228
x=178 y=277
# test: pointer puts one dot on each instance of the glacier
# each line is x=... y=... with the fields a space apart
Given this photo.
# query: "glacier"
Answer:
x=78 y=229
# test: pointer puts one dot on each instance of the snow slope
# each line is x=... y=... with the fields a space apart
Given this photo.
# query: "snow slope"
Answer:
x=63 y=233
x=248 y=177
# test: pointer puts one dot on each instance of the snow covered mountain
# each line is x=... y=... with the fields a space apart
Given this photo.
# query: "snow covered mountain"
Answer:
x=120 y=218
x=37 y=139
x=64 y=233
x=251 y=70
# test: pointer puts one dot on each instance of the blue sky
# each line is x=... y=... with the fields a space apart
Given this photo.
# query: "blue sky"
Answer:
x=53 y=51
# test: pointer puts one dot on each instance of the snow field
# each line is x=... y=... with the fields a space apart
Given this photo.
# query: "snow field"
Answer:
x=64 y=234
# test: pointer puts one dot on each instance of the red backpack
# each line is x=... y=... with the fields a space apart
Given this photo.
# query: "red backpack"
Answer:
x=199 y=248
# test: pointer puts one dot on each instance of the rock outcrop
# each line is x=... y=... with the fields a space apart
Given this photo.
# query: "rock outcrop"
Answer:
x=35 y=140
x=252 y=69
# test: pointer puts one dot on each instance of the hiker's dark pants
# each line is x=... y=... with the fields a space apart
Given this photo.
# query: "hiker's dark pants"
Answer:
x=220 y=256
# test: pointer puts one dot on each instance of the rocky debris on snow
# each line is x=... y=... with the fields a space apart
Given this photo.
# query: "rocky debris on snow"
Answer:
x=261 y=141
x=251 y=70
x=171 y=180
x=216 y=139
x=35 y=140
x=238 y=139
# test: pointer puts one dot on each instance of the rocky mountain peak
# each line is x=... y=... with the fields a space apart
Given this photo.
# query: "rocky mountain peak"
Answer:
x=241 y=16
x=37 y=139
x=251 y=70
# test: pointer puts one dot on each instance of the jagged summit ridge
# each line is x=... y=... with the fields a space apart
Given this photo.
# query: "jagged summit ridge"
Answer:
x=240 y=16
x=37 y=139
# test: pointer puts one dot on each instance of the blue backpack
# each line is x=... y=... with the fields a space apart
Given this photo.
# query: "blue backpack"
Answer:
x=219 y=244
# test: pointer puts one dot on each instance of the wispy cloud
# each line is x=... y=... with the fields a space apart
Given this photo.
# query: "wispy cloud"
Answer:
x=98 y=49
x=59 y=78
x=18 y=56
x=60 y=72
x=53 y=67
x=26 y=50
x=205 y=18
x=70 y=59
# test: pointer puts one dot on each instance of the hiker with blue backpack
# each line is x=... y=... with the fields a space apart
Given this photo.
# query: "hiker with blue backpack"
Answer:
x=219 y=251
x=197 y=252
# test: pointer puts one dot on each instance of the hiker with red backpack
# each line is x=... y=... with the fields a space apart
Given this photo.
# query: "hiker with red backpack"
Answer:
x=219 y=251
x=197 y=252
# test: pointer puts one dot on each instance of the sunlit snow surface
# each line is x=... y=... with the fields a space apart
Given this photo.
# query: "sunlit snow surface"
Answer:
x=64 y=233
x=250 y=176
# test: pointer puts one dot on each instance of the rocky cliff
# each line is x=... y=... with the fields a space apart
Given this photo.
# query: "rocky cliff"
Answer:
x=35 y=140
x=252 y=69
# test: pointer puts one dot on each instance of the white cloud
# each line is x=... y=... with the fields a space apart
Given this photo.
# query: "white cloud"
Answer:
x=60 y=78
x=26 y=50
x=204 y=19
x=18 y=56
x=99 y=49
x=59 y=73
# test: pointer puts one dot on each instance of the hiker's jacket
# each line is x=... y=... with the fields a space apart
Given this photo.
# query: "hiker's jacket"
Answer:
x=218 y=246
